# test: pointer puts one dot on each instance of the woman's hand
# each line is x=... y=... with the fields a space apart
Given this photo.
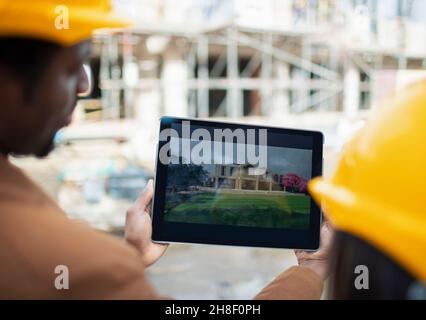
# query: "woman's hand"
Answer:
x=318 y=260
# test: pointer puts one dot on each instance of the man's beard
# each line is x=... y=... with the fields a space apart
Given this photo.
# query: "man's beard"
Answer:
x=48 y=147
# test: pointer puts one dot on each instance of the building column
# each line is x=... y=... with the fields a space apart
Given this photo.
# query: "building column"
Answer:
x=174 y=82
x=203 y=77
x=216 y=178
x=280 y=101
x=234 y=106
x=351 y=98
x=266 y=74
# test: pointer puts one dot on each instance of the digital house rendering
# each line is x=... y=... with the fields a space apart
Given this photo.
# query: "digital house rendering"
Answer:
x=237 y=177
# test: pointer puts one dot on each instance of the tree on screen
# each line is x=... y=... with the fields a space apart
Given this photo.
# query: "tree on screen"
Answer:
x=294 y=183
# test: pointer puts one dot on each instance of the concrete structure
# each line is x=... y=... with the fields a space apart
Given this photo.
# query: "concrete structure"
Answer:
x=249 y=58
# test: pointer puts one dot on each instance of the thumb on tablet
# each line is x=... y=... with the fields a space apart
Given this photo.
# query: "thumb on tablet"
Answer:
x=143 y=202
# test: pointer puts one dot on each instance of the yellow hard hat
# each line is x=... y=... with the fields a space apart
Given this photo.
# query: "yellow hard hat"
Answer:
x=66 y=22
x=378 y=191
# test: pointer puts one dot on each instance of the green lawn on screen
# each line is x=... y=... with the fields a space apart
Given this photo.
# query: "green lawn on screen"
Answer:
x=251 y=210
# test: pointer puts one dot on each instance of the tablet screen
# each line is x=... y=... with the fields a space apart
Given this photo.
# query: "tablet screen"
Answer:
x=251 y=190
x=229 y=193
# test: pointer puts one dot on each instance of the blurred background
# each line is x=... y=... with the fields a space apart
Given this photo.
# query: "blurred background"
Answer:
x=312 y=64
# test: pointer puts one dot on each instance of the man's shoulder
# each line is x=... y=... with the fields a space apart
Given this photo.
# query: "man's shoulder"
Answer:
x=100 y=265
x=17 y=188
x=37 y=237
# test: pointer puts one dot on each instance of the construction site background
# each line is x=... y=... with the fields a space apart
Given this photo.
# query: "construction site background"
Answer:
x=313 y=64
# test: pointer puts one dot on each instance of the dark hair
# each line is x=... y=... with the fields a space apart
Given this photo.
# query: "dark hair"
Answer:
x=26 y=59
x=387 y=280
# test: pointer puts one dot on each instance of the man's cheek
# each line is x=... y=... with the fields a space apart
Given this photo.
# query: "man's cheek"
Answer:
x=65 y=101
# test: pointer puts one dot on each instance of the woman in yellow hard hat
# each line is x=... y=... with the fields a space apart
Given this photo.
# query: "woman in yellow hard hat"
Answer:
x=375 y=200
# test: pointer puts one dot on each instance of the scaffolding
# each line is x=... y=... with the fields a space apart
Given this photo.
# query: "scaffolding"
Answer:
x=233 y=71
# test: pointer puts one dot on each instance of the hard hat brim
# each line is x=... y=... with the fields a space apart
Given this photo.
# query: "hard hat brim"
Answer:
x=381 y=226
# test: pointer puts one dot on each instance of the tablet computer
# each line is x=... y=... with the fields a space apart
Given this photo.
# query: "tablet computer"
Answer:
x=236 y=184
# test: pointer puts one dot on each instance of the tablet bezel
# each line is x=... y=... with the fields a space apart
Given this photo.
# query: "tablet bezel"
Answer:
x=175 y=232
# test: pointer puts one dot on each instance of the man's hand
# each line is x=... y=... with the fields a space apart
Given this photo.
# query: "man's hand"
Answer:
x=138 y=230
x=318 y=261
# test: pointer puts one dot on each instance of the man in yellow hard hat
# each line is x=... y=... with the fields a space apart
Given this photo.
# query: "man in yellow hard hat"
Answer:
x=43 y=45
x=375 y=199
